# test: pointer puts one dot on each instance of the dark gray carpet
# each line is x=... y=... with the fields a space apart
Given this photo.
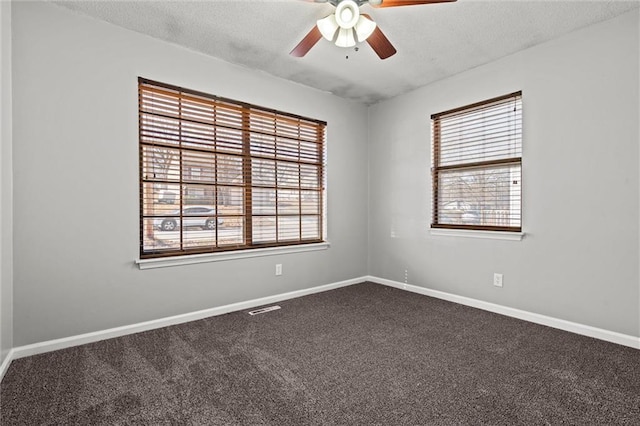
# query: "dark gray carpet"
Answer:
x=364 y=354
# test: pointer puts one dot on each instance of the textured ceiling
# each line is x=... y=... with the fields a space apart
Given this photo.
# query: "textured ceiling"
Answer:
x=433 y=41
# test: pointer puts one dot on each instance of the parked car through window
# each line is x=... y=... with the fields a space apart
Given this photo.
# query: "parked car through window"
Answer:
x=194 y=216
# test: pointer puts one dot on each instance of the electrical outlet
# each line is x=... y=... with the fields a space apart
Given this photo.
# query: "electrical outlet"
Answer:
x=278 y=268
x=406 y=276
x=497 y=280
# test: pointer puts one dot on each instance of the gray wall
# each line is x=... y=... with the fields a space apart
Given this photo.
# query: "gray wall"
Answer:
x=75 y=194
x=579 y=259
x=6 y=214
x=76 y=180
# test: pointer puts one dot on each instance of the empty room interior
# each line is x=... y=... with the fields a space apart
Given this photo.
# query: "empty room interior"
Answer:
x=320 y=212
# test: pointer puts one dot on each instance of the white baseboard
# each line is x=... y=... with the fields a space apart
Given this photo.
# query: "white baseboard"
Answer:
x=585 y=330
x=5 y=364
x=67 y=342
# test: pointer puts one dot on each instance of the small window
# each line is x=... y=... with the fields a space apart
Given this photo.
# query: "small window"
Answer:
x=221 y=175
x=477 y=166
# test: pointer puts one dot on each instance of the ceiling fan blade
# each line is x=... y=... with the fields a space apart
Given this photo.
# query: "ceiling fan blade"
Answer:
x=307 y=43
x=396 y=3
x=380 y=43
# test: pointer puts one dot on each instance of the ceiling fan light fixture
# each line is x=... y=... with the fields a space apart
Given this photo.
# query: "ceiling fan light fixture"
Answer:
x=364 y=28
x=328 y=27
x=345 y=38
x=347 y=14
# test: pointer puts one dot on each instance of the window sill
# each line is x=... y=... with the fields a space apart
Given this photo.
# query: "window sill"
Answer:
x=490 y=235
x=163 y=262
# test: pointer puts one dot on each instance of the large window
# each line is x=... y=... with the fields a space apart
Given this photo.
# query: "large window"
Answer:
x=219 y=175
x=477 y=166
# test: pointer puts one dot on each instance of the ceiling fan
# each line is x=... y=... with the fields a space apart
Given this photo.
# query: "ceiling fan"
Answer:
x=347 y=26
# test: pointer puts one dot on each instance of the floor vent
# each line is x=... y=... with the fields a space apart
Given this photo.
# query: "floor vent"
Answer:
x=264 y=310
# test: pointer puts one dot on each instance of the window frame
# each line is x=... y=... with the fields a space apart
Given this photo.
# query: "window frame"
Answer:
x=438 y=168
x=315 y=161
